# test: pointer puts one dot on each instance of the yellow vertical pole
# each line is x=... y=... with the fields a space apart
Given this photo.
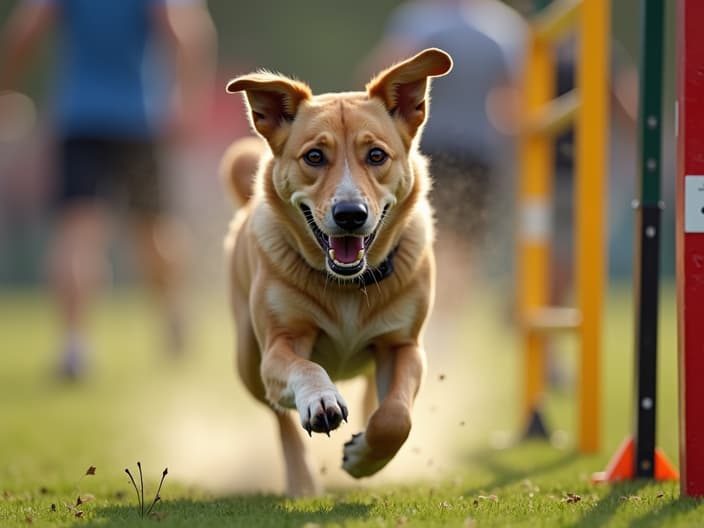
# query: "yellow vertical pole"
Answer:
x=534 y=223
x=590 y=252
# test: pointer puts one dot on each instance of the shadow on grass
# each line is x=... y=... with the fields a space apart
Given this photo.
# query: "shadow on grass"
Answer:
x=609 y=504
x=506 y=474
x=661 y=513
x=250 y=511
x=668 y=510
x=661 y=510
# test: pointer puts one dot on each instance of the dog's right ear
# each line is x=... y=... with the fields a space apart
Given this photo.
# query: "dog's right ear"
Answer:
x=273 y=101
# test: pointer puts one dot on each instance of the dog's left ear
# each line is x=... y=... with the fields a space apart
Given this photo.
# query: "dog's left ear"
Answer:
x=273 y=102
x=404 y=87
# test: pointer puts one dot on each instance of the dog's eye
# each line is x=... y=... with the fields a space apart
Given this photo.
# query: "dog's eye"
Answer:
x=376 y=156
x=314 y=157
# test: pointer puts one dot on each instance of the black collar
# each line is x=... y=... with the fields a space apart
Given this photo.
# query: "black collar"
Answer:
x=379 y=273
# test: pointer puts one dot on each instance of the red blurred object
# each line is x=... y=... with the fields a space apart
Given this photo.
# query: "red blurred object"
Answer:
x=690 y=242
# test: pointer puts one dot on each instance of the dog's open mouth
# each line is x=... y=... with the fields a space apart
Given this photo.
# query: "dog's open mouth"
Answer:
x=346 y=255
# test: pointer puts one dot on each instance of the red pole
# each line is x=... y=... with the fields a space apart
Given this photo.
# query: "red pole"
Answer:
x=690 y=243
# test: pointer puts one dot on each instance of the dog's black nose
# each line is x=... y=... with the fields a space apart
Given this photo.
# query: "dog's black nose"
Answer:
x=350 y=215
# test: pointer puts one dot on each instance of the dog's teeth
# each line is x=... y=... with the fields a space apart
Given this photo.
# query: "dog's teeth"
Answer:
x=360 y=255
x=332 y=254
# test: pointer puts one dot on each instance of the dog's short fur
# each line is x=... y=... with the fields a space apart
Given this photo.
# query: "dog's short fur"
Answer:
x=331 y=256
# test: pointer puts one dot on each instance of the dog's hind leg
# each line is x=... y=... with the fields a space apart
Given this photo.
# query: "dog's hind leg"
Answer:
x=399 y=371
x=300 y=479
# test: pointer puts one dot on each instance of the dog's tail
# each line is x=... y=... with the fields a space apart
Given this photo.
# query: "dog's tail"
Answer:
x=239 y=166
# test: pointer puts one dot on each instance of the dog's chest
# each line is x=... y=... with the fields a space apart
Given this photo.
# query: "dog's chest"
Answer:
x=343 y=346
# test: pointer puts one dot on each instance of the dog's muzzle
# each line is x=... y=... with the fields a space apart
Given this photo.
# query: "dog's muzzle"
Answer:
x=346 y=255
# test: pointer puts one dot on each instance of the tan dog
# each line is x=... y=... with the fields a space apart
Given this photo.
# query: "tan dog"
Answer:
x=331 y=256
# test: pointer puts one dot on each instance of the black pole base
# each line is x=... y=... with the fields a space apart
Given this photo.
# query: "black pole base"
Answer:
x=536 y=428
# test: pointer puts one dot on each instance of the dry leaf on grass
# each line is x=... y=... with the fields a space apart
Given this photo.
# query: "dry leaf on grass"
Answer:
x=572 y=498
x=86 y=497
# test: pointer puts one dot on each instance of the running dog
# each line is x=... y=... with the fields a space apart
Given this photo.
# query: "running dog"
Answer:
x=330 y=256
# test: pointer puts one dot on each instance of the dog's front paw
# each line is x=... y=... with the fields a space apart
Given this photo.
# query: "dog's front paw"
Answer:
x=321 y=411
x=358 y=458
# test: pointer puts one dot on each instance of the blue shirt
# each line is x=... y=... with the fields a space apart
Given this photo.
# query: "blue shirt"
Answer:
x=110 y=81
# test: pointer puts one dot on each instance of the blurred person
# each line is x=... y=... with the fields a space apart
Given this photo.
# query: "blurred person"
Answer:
x=469 y=135
x=113 y=107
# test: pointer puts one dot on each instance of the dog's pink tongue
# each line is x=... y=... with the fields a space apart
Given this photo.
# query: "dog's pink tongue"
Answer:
x=347 y=248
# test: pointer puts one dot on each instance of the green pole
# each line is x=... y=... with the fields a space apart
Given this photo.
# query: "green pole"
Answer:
x=647 y=236
x=651 y=100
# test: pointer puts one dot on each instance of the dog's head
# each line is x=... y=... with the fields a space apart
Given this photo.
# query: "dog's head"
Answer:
x=343 y=163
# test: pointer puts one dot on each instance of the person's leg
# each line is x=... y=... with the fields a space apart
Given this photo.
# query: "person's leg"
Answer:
x=160 y=240
x=78 y=247
x=161 y=247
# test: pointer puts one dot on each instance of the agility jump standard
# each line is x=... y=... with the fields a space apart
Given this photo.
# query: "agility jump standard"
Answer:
x=637 y=456
x=547 y=116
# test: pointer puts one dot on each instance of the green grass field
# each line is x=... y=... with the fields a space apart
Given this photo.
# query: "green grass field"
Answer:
x=459 y=467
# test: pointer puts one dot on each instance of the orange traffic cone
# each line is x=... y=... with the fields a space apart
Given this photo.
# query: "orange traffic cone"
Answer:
x=621 y=465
